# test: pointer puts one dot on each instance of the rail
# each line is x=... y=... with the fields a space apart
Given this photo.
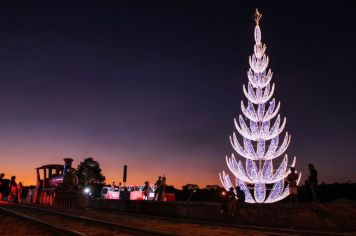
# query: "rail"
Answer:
x=15 y=210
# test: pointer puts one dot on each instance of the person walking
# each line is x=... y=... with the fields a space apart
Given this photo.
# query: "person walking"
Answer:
x=313 y=182
x=293 y=188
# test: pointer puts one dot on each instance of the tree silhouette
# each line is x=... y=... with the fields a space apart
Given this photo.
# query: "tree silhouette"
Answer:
x=89 y=172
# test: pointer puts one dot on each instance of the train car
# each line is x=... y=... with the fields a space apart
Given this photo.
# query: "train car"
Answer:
x=109 y=192
x=57 y=185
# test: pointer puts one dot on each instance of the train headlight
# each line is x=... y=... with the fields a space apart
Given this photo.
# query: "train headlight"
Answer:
x=87 y=190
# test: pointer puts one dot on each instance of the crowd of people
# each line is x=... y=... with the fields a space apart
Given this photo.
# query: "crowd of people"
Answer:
x=232 y=198
x=159 y=189
x=9 y=189
x=311 y=183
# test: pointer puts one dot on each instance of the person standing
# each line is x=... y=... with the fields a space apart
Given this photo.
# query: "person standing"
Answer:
x=13 y=190
x=162 y=189
x=19 y=192
x=241 y=197
x=224 y=203
x=238 y=199
x=157 y=185
x=313 y=181
x=293 y=188
x=112 y=187
x=227 y=201
x=231 y=197
x=2 y=187
x=145 y=190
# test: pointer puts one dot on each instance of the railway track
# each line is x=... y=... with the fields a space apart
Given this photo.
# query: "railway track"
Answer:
x=98 y=223
x=263 y=229
x=61 y=223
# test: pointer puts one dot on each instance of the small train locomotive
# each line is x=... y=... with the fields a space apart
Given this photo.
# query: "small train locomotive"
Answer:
x=57 y=185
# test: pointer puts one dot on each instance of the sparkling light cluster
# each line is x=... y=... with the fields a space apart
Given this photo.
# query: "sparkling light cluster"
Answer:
x=259 y=127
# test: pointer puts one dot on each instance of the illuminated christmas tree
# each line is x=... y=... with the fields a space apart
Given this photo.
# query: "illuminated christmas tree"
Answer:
x=256 y=176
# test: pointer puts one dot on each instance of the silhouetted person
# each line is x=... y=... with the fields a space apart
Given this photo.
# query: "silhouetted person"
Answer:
x=162 y=189
x=19 y=192
x=238 y=198
x=313 y=181
x=2 y=185
x=231 y=198
x=145 y=190
x=228 y=202
x=293 y=189
x=241 y=198
x=13 y=190
x=157 y=185
x=224 y=202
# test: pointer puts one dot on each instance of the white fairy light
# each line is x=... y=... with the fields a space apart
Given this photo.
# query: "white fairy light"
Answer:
x=237 y=169
x=259 y=80
x=243 y=187
x=260 y=126
x=225 y=180
x=267 y=171
x=275 y=192
x=259 y=96
x=260 y=130
x=260 y=192
x=261 y=145
x=258 y=36
x=300 y=176
x=251 y=170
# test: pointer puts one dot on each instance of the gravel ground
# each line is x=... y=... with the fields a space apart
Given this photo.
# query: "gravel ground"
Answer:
x=15 y=227
x=12 y=226
x=180 y=228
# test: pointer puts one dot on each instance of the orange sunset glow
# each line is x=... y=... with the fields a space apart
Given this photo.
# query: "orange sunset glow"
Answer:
x=25 y=157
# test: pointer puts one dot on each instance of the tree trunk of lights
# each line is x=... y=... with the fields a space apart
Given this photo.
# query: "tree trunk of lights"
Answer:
x=267 y=182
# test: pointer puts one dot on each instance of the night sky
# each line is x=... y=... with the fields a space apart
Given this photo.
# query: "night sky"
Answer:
x=156 y=84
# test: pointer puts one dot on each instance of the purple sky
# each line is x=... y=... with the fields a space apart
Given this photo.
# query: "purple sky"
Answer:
x=156 y=85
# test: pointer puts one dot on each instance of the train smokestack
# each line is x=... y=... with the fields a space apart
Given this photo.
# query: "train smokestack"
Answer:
x=67 y=165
